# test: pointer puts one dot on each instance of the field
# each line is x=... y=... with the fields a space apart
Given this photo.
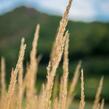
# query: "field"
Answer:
x=88 y=43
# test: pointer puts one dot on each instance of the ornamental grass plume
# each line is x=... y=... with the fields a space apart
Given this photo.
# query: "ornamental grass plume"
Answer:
x=32 y=72
x=56 y=55
x=14 y=74
x=64 y=78
x=82 y=101
x=20 y=74
x=3 y=82
x=98 y=94
x=73 y=85
x=102 y=104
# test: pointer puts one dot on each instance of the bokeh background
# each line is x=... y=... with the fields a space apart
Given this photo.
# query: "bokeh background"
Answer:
x=89 y=36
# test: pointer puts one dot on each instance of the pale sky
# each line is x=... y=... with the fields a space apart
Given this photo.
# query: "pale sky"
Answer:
x=82 y=10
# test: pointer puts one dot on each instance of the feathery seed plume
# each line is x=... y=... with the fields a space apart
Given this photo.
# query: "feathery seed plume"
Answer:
x=98 y=93
x=82 y=101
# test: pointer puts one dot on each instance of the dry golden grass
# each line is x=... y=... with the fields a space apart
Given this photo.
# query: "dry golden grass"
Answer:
x=64 y=78
x=73 y=85
x=98 y=94
x=102 y=104
x=82 y=101
x=14 y=97
x=3 y=72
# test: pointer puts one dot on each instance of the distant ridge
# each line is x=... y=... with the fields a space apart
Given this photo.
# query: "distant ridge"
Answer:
x=21 y=22
x=87 y=40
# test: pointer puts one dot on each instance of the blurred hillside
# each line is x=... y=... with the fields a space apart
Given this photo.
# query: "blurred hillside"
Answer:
x=89 y=42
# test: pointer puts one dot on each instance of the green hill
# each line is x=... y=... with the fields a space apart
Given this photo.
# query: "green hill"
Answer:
x=88 y=42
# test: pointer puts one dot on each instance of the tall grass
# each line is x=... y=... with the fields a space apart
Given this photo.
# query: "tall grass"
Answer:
x=14 y=97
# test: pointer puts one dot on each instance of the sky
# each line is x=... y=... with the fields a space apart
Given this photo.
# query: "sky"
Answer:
x=82 y=10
